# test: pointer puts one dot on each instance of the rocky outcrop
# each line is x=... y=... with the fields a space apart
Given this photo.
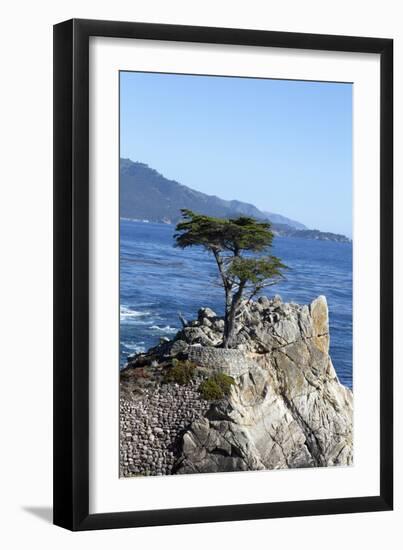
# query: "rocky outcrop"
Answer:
x=286 y=407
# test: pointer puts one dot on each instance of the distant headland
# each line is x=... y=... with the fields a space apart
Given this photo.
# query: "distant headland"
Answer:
x=147 y=195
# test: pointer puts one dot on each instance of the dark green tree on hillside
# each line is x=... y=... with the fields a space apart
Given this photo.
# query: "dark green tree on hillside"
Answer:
x=234 y=244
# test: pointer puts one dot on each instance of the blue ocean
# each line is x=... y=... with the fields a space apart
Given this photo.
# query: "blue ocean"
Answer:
x=157 y=281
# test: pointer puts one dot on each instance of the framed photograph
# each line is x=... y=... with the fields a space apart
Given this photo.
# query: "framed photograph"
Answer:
x=223 y=237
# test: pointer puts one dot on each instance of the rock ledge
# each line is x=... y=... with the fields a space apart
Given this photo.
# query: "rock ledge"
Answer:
x=286 y=408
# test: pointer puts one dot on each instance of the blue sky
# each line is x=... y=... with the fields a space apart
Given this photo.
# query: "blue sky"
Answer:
x=285 y=146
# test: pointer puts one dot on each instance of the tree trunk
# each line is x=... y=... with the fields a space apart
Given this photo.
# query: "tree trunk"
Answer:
x=229 y=330
x=228 y=293
x=230 y=316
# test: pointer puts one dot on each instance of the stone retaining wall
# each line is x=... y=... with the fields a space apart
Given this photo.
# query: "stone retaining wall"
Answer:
x=151 y=425
x=233 y=362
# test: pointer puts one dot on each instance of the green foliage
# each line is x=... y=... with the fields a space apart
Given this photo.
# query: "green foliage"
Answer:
x=233 y=242
x=181 y=372
x=234 y=234
x=216 y=387
x=256 y=271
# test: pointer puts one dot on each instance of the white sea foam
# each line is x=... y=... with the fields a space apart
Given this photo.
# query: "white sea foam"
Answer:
x=127 y=313
x=136 y=348
x=133 y=220
x=133 y=346
x=166 y=329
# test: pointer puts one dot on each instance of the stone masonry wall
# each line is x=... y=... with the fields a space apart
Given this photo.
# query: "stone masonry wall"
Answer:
x=152 y=424
x=233 y=362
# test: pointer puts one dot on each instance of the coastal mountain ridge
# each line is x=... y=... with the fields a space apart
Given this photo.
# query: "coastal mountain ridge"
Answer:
x=146 y=194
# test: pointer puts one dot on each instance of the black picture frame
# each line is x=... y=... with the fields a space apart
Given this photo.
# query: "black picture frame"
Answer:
x=71 y=274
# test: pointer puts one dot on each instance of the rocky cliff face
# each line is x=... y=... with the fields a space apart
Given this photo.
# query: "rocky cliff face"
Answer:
x=285 y=409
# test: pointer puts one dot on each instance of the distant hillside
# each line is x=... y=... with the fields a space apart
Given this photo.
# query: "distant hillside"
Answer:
x=144 y=193
x=311 y=234
x=147 y=194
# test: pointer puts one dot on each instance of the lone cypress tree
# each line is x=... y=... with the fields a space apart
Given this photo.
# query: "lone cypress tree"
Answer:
x=233 y=243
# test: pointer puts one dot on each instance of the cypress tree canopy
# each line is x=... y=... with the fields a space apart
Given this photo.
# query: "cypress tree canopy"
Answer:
x=235 y=244
x=234 y=234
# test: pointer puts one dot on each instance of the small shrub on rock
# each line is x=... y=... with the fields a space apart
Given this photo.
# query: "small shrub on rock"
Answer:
x=181 y=372
x=216 y=387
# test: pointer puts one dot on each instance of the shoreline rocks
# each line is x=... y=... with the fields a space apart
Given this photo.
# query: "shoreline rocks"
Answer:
x=285 y=409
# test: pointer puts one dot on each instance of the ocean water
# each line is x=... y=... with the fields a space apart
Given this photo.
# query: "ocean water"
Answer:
x=157 y=281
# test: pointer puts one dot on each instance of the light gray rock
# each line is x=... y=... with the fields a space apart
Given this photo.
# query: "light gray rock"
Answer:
x=219 y=325
x=196 y=335
x=179 y=346
x=206 y=313
x=264 y=301
x=287 y=408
